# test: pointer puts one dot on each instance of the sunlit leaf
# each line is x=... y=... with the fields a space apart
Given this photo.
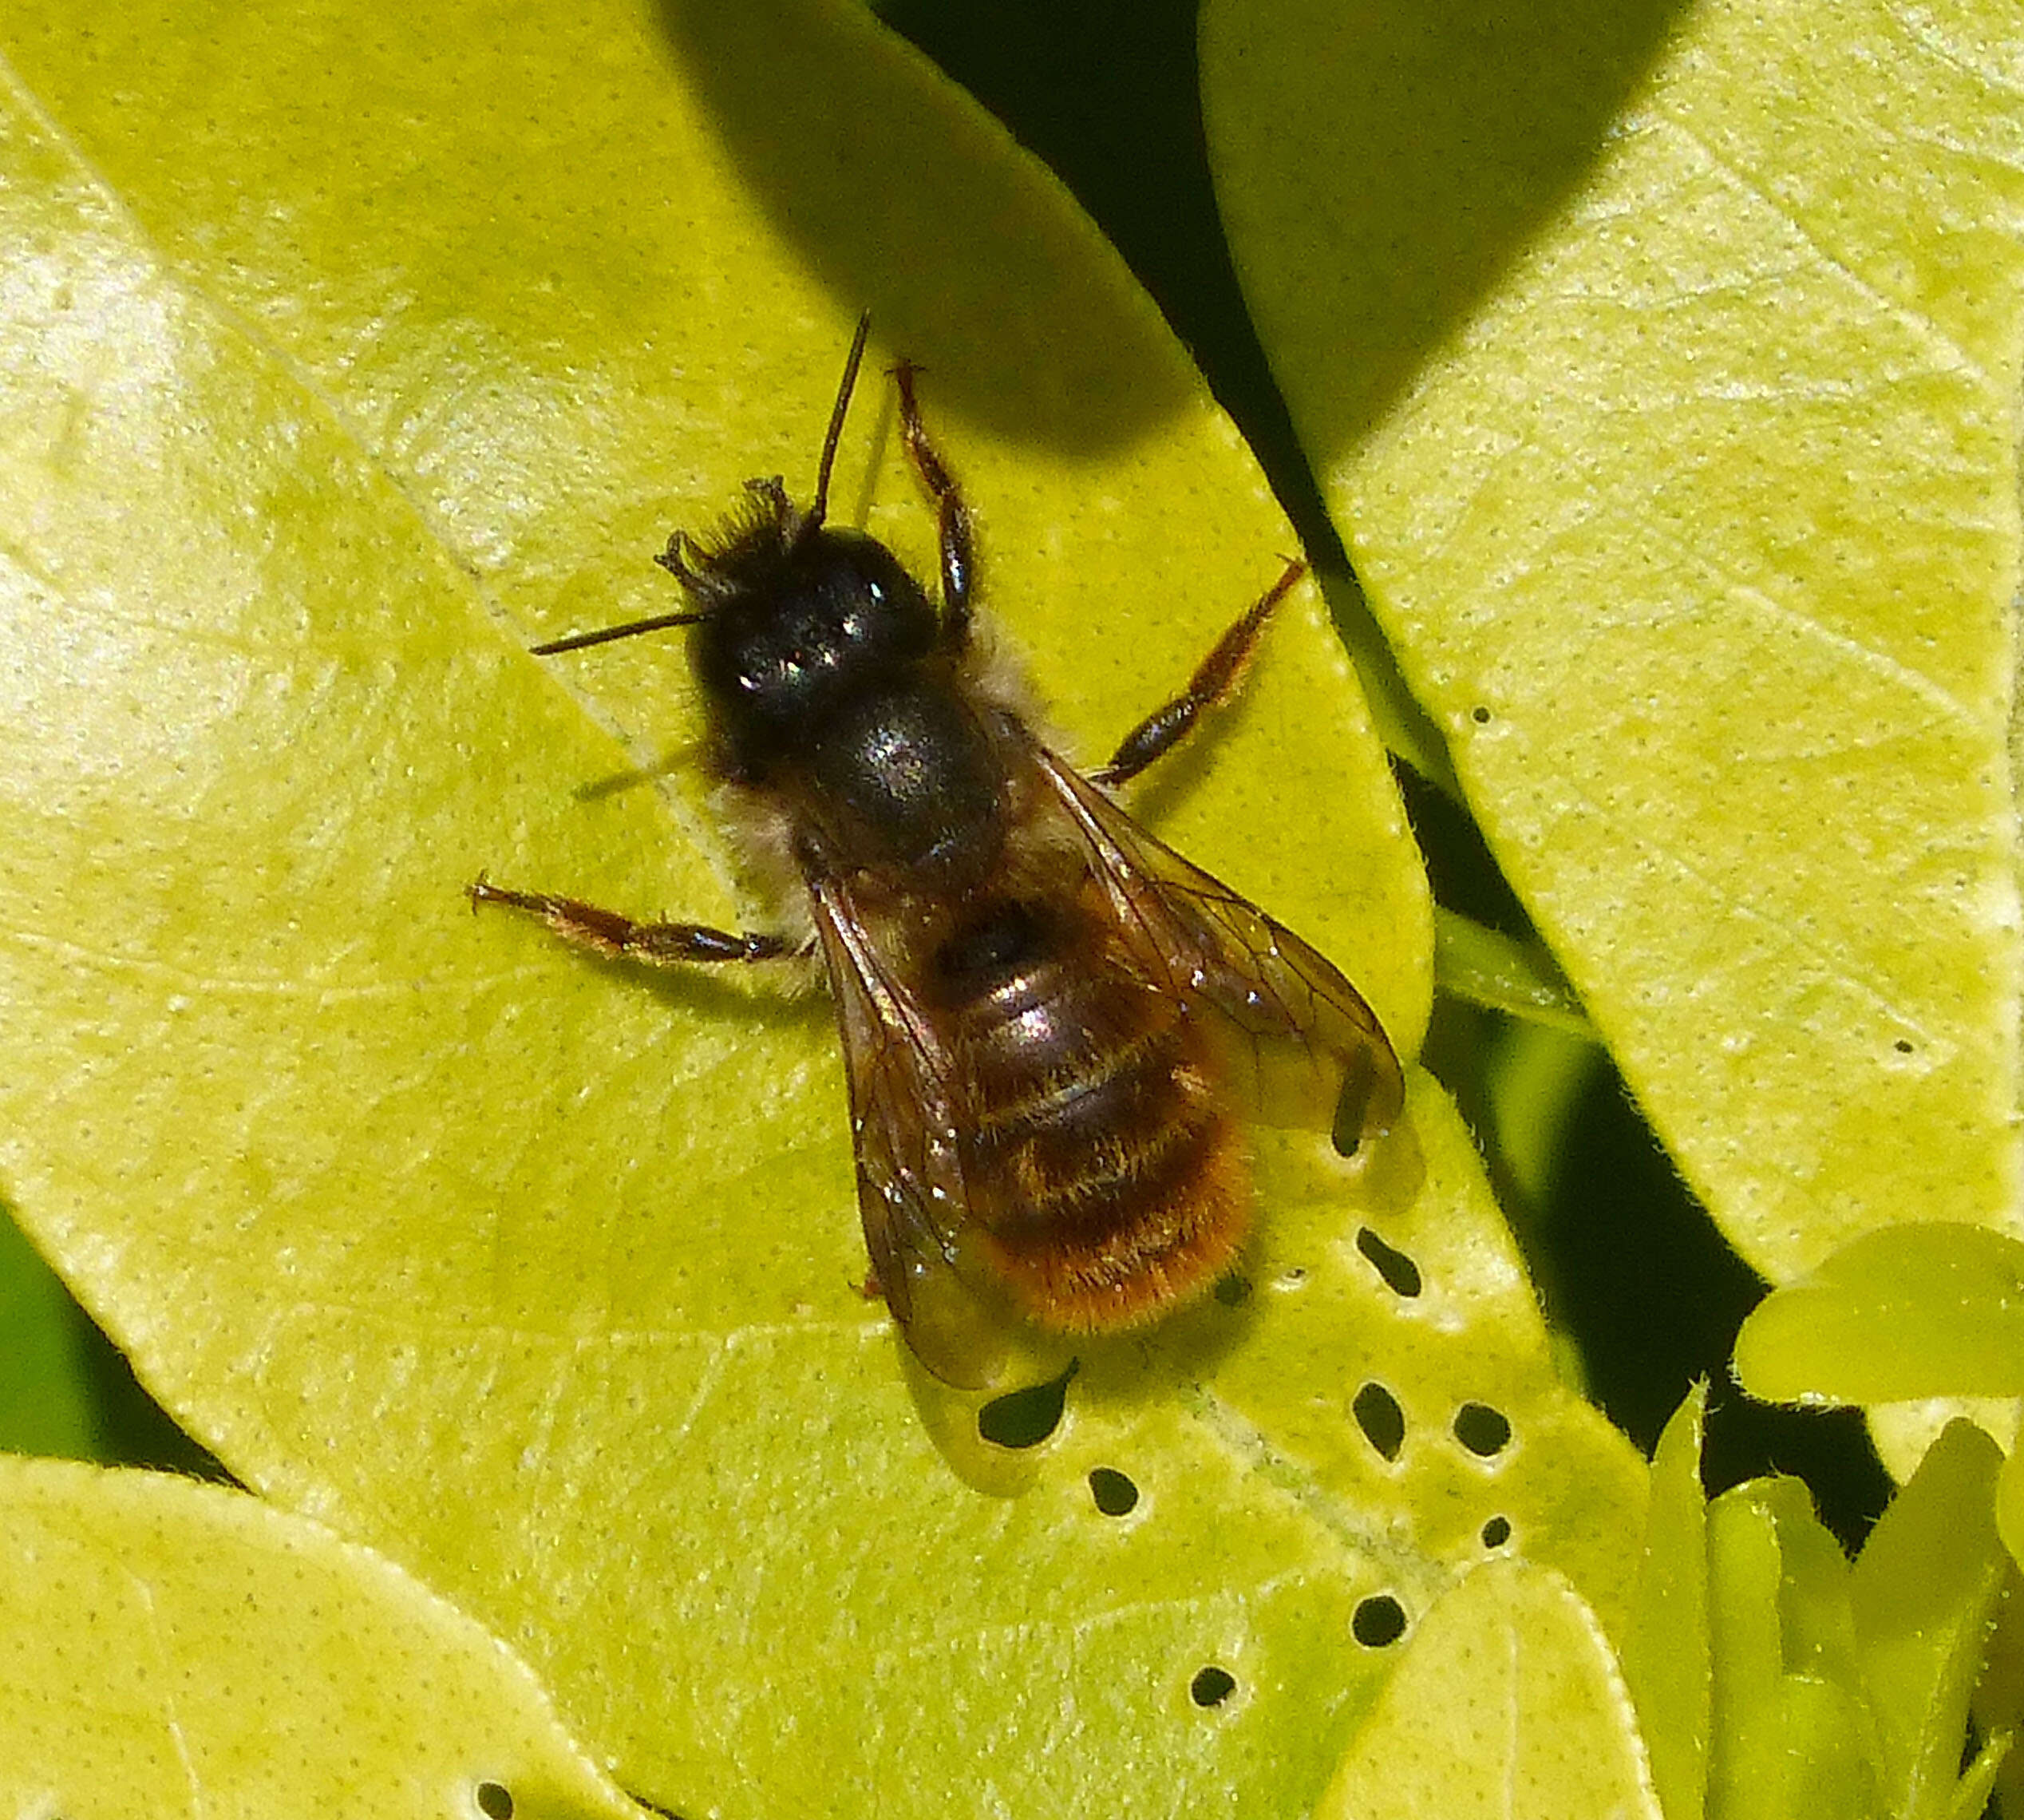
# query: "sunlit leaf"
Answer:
x=1508 y=1705
x=1923 y=1311
x=172 y=1648
x=542 y=1275
x=1660 y=367
x=1666 y=1659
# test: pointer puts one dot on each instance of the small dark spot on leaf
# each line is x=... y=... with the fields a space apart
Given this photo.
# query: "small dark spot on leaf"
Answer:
x=1378 y=1620
x=1382 y=1421
x=1211 y=1686
x=1401 y=1274
x=1024 y=1418
x=495 y=1800
x=1902 y=1046
x=1480 y=715
x=1484 y=1431
x=1115 y=1493
x=1234 y=1290
x=1497 y=1532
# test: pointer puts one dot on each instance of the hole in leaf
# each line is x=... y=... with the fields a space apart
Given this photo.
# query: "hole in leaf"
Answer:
x=1484 y=1431
x=1382 y=1421
x=1234 y=1290
x=1211 y=1686
x=1115 y=1493
x=1480 y=715
x=495 y=1800
x=1902 y=1046
x=1352 y=1105
x=1401 y=1274
x=1024 y=1418
x=1497 y=1532
x=1378 y=1621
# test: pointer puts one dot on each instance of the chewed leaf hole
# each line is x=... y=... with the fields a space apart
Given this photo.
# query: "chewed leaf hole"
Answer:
x=1378 y=1621
x=1024 y=1418
x=1382 y=1421
x=1234 y=1290
x=494 y=1800
x=1211 y=1686
x=1497 y=1532
x=1484 y=1431
x=1401 y=1274
x=1115 y=1493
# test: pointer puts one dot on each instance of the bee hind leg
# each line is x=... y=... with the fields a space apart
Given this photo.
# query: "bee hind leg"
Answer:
x=661 y=944
x=1215 y=682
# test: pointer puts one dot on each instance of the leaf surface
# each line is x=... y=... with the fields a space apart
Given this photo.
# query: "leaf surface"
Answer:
x=1660 y=367
x=170 y=1648
x=350 y=349
x=1506 y=1706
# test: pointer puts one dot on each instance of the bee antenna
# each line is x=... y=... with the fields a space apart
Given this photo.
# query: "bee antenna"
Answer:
x=658 y=622
x=820 y=509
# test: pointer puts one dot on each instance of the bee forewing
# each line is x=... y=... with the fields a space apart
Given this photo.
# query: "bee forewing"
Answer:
x=903 y=1107
x=1296 y=1029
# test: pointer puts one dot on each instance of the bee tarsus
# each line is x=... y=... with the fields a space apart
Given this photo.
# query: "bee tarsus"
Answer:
x=1216 y=680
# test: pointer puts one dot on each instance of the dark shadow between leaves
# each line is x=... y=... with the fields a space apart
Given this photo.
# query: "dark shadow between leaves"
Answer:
x=968 y=265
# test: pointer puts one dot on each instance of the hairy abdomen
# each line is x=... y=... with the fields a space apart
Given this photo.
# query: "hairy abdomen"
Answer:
x=1100 y=1162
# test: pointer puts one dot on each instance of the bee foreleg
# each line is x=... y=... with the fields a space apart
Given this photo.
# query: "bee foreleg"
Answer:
x=1214 y=681
x=661 y=944
x=951 y=515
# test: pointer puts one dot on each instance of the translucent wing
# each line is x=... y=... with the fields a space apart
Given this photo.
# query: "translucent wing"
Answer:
x=906 y=1104
x=1298 y=1025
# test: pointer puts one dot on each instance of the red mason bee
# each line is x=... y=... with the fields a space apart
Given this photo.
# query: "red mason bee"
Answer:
x=1054 y=1027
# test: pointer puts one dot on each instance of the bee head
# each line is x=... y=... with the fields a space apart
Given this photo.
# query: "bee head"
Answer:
x=793 y=618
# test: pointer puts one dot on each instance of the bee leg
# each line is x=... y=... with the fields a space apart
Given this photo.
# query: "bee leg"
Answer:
x=951 y=515
x=662 y=944
x=1213 y=683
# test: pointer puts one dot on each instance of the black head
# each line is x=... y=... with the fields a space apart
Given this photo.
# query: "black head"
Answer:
x=791 y=616
x=792 y=620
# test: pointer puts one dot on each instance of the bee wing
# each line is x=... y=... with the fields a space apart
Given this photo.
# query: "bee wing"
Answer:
x=1299 y=1027
x=905 y=1106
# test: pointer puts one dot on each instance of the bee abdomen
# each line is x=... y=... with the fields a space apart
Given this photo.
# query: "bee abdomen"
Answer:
x=1106 y=1178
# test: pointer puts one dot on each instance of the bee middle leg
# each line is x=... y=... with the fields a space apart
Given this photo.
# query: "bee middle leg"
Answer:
x=952 y=514
x=1214 y=681
x=662 y=944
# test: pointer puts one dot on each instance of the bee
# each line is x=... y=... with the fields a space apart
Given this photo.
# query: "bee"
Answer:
x=1053 y=1026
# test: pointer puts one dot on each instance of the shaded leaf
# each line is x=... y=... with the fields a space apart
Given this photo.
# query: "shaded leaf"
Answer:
x=1923 y=1595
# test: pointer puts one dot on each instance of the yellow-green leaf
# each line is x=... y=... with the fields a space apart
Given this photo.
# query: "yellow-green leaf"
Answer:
x=1920 y=1311
x=350 y=348
x=1660 y=368
x=1791 y=1733
x=1923 y=1594
x=1508 y=1705
x=173 y=1648
x=1666 y=1660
